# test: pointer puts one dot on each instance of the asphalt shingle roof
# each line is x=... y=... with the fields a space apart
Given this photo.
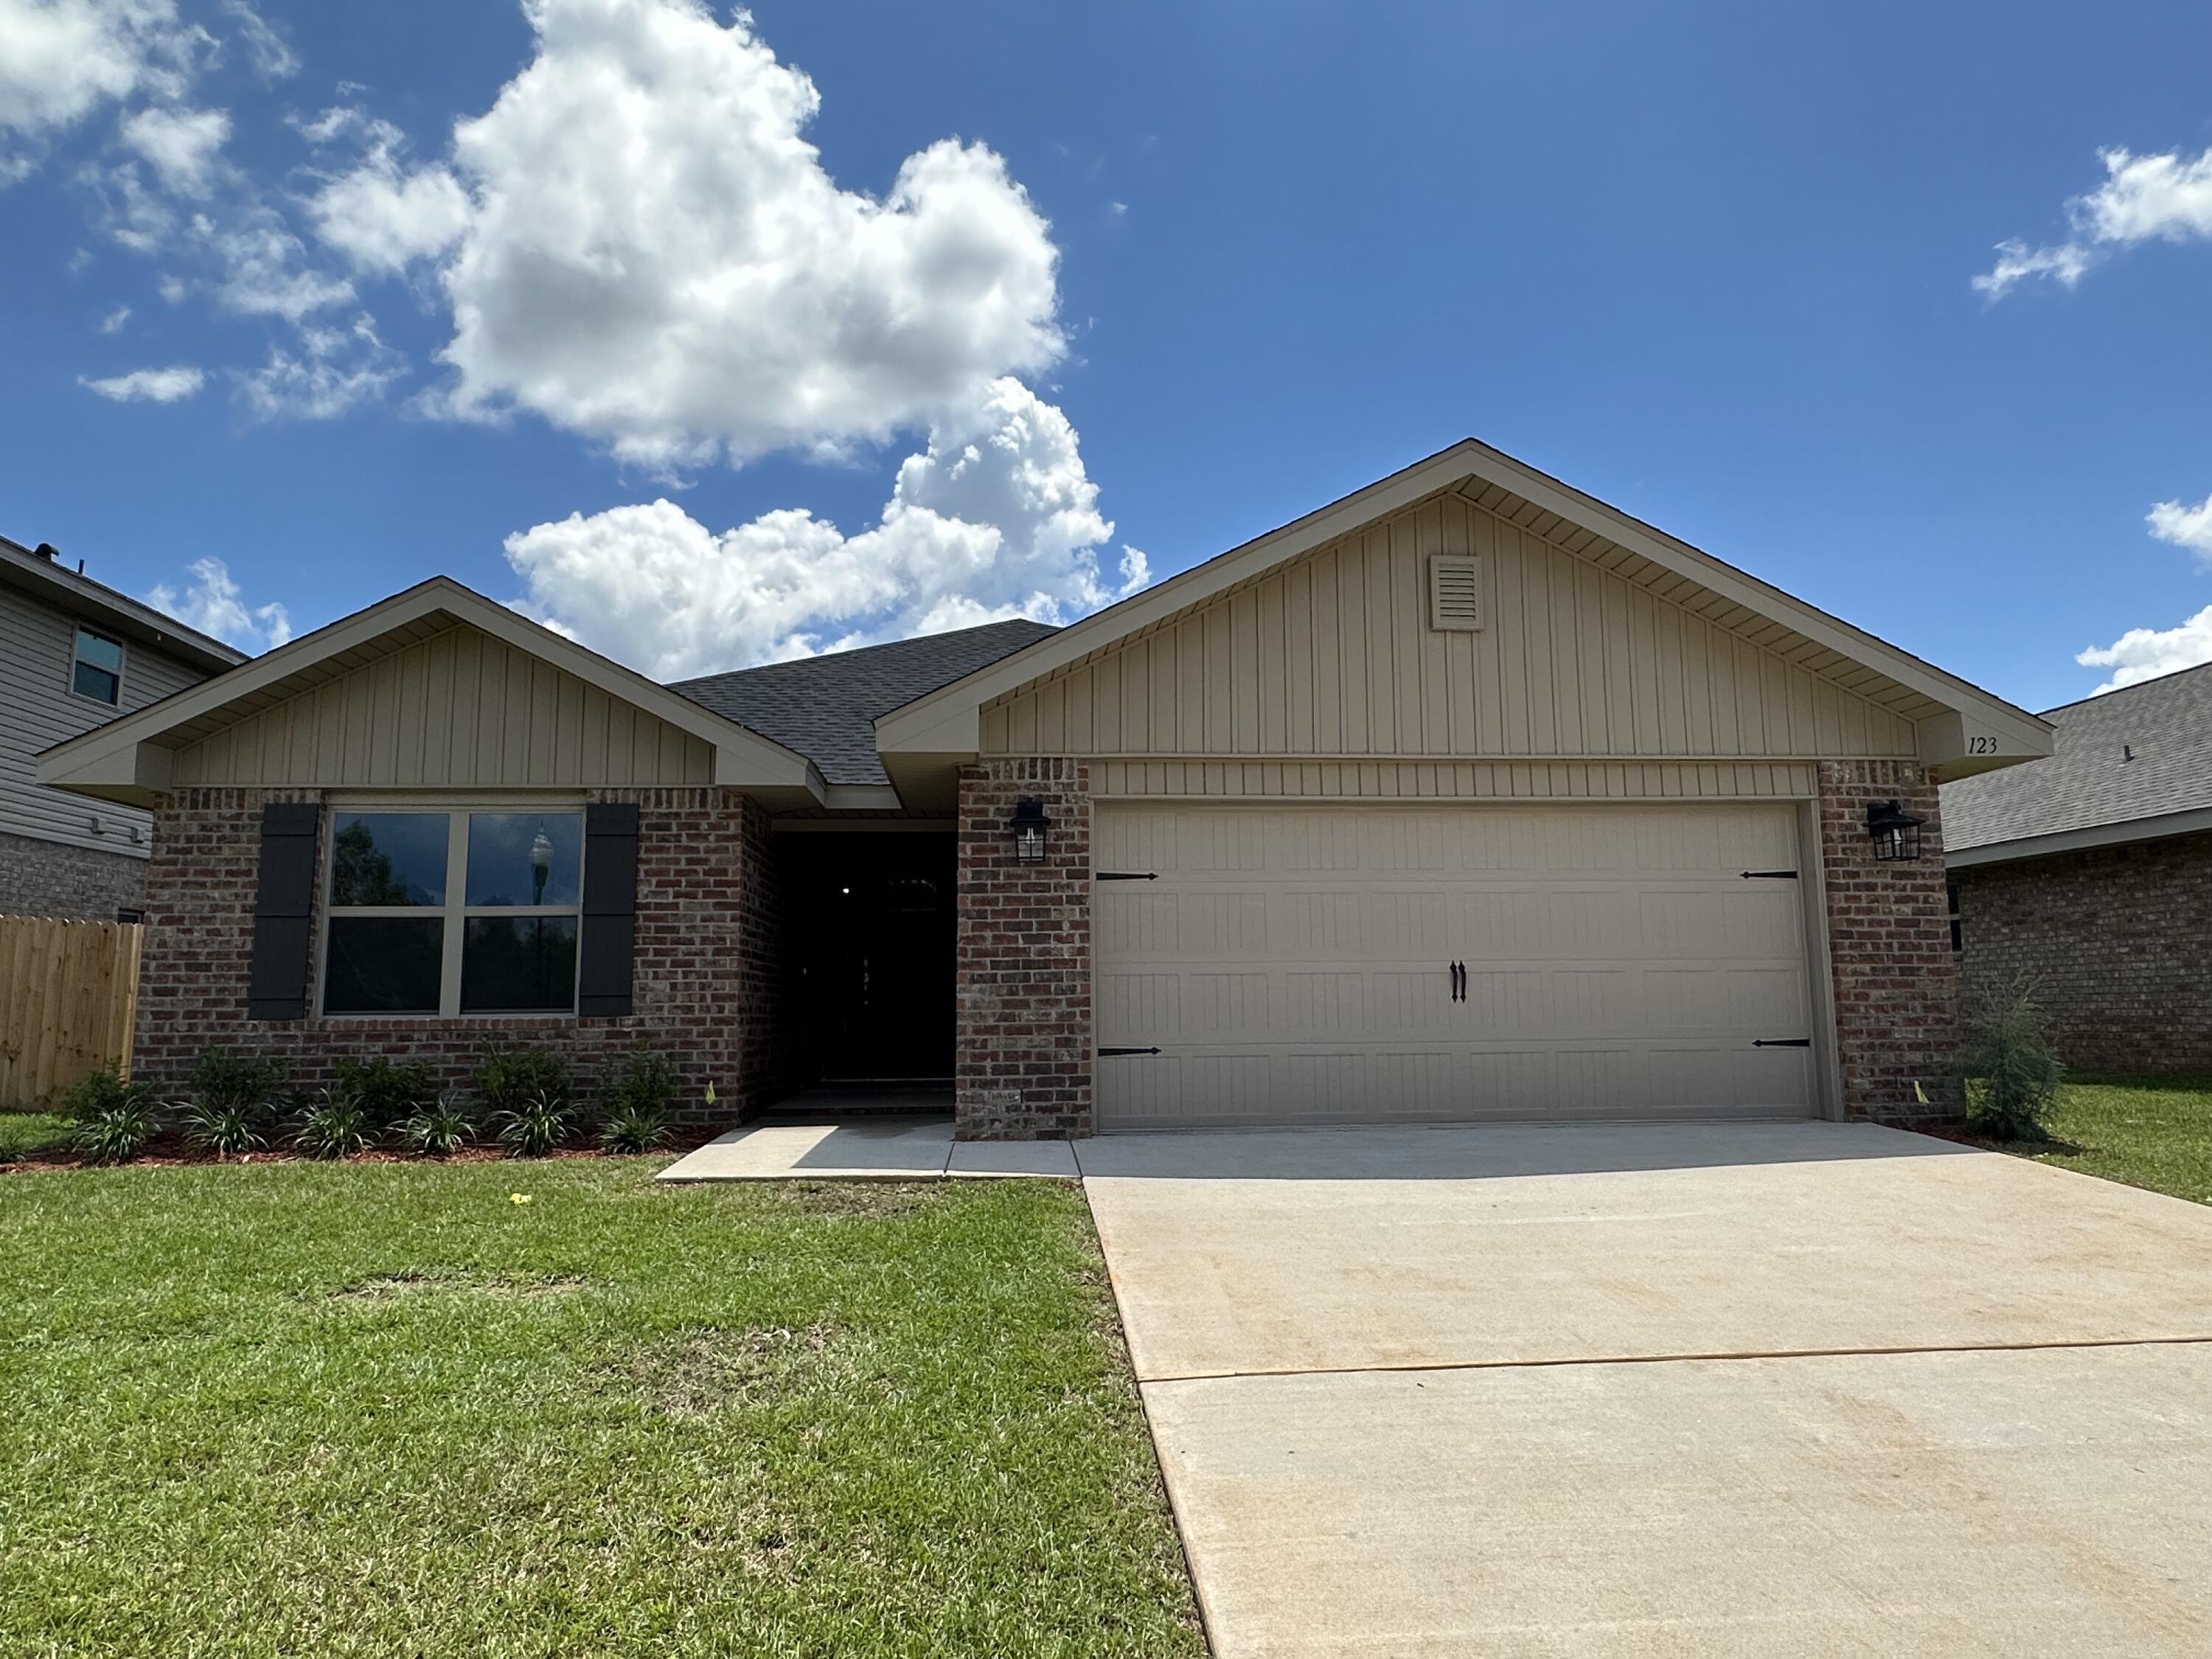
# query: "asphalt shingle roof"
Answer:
x=2088 y=782
x=825 y=708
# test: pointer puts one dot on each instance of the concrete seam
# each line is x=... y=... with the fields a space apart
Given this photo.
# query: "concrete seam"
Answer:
x=1688 y=1358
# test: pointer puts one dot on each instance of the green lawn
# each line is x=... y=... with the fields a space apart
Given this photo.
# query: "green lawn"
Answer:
x=2146 y=1131
x=21 y=1132
x=382 y=1409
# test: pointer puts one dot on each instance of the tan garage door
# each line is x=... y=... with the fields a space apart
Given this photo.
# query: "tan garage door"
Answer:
x=1294 y=963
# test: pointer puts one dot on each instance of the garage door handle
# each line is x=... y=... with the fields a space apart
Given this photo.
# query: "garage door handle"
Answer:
x=1770 y=875
x=1128 y=1051
x=1458 y=970
x=1129 y=875
x=1782 y=1042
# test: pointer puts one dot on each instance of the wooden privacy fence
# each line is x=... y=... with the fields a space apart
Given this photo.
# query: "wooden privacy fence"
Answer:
x=68 y=992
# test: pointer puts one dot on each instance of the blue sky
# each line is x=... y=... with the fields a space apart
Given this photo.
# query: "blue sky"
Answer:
x=626 y=352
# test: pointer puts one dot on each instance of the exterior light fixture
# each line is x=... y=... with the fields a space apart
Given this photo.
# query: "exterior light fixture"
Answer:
x=1030 y=826
x=541 y=862
x=1895 y=832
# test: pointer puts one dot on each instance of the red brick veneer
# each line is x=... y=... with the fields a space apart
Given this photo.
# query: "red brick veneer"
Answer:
x=1889 y=946
x=2113 y=940
x=1022 y=1067
x=707 y=974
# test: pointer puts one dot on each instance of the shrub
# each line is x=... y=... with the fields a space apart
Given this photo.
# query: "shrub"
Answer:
x=229 y=1129
x=638 y=1096
x=2012 y=1073
x=333 y=1126
x=509 y=1079
x=440 y=1129
x=117 y=1133
x=388 y=1091
x=534 y=1127
x=221 y=1079
x=98 y=1093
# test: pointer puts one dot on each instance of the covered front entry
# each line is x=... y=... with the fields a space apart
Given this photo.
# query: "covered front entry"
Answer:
x=869 y=926
x=1293 y=963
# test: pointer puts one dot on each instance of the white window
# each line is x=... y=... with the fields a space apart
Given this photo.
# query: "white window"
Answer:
x=471 y=912
x=96 y=667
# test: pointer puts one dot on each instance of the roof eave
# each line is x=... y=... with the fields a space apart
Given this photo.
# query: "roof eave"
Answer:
x=2126 y=832
x=67 y=590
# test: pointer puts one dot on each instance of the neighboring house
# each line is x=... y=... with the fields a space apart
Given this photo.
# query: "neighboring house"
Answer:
x=2089 y=875
x=1466 y=796
x=72 y=655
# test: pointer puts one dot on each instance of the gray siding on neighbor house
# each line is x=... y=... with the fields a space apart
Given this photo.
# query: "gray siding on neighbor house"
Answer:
x=38 y=641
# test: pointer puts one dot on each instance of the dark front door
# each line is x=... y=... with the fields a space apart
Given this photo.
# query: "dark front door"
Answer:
x=872 y=934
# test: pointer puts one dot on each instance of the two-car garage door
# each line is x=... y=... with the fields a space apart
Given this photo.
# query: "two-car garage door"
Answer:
x=1307 y=963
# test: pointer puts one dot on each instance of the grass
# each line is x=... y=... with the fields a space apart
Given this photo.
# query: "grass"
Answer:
x=292 y=1408
x=2146 y=1131
x=24 y=1133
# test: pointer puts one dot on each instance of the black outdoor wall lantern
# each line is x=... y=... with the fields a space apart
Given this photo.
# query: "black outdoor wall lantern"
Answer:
x=1896 y=832
x=1030 y=825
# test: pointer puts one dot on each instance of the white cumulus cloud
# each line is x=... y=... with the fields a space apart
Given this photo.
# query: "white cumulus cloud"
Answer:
x=2144 y=653
x=181 y=144
x=379 y=216
x=149 y=386
x=213 y=605
x=651 y=254
x=2184 y=525
x=61 y=59
x=2162 y=198
x=995 y=518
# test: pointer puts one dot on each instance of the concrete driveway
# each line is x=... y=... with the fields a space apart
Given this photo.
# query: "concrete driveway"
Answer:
x=1747 y=1389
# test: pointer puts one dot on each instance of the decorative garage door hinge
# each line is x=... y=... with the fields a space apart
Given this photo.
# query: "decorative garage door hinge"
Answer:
x=1129 y=875
x=1782 y=1042
x=1128 y=1051
x=1770 y=875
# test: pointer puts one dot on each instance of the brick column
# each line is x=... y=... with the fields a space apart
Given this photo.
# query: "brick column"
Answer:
x=1889 y=947
x=1023 y=1064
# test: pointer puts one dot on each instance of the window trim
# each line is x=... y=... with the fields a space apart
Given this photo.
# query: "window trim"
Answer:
x=454 y=913
x=78 y=629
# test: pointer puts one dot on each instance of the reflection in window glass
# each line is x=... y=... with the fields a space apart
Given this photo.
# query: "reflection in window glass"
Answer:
x=525 y=857
x=519 y=964
x=98 y=670
x=388 y=859
x=383 y=964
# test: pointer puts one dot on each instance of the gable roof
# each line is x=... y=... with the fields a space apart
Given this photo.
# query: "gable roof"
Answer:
x=1962 y=728
x=826 y=706
x=128 y=759
x=50 y=580
x=2090 y=792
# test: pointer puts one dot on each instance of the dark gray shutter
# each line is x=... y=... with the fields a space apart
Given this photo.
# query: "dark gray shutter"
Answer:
x=283 y=912
x=603 y=984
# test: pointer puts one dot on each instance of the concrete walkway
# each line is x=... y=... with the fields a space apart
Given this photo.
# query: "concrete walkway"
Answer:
x=1742 y=1390
x=866 y=1149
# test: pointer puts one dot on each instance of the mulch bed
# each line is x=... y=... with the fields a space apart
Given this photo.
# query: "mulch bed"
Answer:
x=170 y=1151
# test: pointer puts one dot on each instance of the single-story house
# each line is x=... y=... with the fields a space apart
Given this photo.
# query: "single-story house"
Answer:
x=74 y=653
x=2089 y=875
x=1465 y=796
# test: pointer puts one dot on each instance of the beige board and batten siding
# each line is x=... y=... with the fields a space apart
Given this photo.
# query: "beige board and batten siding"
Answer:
x=1292 y=963
x=1333 y=655
x=460 y=709
x=37 y=653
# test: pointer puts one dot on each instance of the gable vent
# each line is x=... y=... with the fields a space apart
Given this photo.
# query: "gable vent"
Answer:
x=1455 y=591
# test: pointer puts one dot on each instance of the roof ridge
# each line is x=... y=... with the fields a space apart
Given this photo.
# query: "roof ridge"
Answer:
x=2104 y=698
x=863 y=650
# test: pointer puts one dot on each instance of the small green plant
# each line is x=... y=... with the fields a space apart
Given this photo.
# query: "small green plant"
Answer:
x=534 y=1127
x=221 y=1080
x=229 y=1129
x=388 y=1091
x=638 y=1096
x=333 y=1126
x=508 y=1079
x=113 y=1120
x=117 y=1133
x=2012 y=1072
x=440 y=1129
